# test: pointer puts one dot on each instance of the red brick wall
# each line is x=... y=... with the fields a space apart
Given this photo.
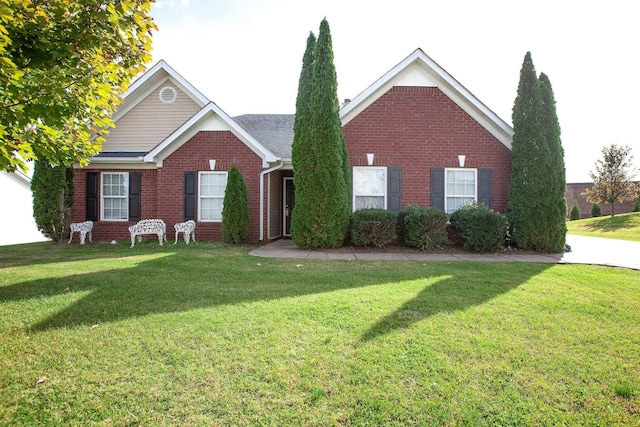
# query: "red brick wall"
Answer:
x=418 y=128
x=162 y=190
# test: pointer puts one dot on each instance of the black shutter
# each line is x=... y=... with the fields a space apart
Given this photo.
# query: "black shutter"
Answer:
x=437 y=188
x=394 y=189
x=189 y=196
x=485 y=187
x=134 y=196
x=92 y=196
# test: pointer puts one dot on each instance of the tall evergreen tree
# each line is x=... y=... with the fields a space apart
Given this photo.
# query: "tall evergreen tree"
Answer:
x=52 y=188
x=235 y=210
x=322 y=210
x=556 y=177
x=531 y=201
x=302 y=155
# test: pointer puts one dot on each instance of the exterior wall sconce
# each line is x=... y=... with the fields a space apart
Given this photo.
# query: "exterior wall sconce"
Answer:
x=212 y=164
x=370 y=159
x=461 y=161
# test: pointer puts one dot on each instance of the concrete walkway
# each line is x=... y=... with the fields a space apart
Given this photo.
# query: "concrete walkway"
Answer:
x=584 y=250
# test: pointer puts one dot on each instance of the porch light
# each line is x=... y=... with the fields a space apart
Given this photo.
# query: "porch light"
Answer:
x=370 y=159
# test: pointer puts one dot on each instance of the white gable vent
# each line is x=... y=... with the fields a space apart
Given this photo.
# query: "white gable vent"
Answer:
x=168 y=95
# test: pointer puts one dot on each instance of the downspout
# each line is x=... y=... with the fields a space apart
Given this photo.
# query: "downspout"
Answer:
x=262 y=174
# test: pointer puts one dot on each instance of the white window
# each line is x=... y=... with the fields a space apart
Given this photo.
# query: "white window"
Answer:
x=460 y=188
x=211 y=195
x=115 y=196
x=369 y=187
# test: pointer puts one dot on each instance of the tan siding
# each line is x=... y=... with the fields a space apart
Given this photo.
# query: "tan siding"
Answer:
x=275 y=205
x=150 y=122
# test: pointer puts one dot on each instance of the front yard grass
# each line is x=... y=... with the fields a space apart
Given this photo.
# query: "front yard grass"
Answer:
x=620 y=226
x=208 y=335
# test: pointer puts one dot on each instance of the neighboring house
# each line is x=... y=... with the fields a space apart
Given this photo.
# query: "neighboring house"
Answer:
x=16 y=214
x=574 y=194
x=415 y=135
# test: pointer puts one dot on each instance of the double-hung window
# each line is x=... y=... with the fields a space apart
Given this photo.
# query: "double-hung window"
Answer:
x=369 y=187
x=115 y=196
x=460 y=188
x=211 y=190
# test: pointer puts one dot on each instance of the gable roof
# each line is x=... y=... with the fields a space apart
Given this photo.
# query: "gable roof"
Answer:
x=270 y=136
x=150 y=81
x=210 y=117
x=418 y=69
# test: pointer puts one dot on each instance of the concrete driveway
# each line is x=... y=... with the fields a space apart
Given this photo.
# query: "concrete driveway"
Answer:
x=595 y=250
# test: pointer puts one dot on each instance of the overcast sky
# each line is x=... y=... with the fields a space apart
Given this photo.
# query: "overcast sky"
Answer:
x=246 y=55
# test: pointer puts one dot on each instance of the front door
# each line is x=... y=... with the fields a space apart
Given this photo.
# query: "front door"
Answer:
x=289 y=201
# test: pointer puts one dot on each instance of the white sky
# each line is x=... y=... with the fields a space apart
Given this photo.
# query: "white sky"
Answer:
x=246 y=55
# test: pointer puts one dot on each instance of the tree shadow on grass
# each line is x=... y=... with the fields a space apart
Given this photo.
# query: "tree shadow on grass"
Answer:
x=611 y=223
x=456 y=292
x=30 y=254
x=187 y=279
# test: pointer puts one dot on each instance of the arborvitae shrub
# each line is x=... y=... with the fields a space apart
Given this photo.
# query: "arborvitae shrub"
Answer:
x=636 y=205
x=480 y=228
x=575 y=212
x=235 y=211
x=596 y=210
x=424 y=227
x=52 y=188
x=373 y=227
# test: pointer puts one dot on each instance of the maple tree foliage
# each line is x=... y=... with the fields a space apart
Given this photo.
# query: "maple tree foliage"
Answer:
x=64 y=65
x=612 y=179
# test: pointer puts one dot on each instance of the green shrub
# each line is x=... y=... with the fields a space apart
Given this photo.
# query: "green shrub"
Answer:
x=424 y=227
x=596 y=210
x=373 y=227
x=575 y=212
x=479 y=227
x=636 y=205
x=235 y=211
x=52 y=188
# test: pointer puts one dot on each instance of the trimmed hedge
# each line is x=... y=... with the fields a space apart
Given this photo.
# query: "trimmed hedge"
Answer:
x=424 y=227
x=373 y=227
x=479 y=227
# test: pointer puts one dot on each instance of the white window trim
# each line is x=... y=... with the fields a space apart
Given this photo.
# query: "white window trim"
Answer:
x=447 y=195
x=102 y=196
x=199 y=207
x=353 y=186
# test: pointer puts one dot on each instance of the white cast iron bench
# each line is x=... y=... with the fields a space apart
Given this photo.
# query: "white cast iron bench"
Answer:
x=188 y=228
x=148 y=226
x=83 y=228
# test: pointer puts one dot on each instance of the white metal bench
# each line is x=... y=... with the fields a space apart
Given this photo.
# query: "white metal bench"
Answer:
x=83 y=228
x=148 y=226
x=188 y=228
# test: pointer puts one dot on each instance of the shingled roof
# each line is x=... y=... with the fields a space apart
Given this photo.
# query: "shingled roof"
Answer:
x=273 y=131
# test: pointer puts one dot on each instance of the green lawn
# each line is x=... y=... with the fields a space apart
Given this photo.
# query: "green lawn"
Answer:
x=621 y=226
x=207 y=335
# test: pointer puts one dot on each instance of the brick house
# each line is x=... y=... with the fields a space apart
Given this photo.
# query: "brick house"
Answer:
x=415 y=135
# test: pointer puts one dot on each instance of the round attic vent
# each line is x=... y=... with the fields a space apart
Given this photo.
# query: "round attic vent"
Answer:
x=168 y=95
